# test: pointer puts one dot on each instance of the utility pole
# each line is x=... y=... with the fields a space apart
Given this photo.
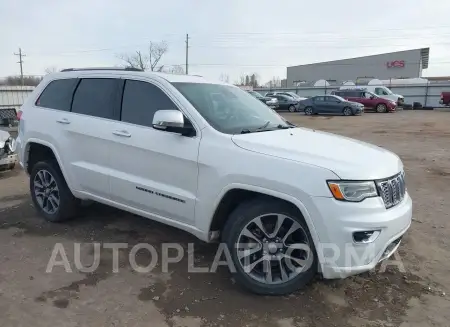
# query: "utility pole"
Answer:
x=20 y=55
x=187 y=54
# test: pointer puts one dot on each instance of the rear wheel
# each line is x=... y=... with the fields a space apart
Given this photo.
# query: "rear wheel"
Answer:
x=381 y=108
x=271 y=247
x=50 y=194
x=308 y=111
x=347 y=111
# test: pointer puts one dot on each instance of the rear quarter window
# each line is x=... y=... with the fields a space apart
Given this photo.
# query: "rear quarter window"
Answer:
x=58 y=94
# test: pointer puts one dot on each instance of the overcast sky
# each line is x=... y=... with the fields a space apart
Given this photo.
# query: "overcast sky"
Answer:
x=232 y=37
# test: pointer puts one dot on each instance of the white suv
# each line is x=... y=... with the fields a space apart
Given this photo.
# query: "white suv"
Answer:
x=209 y=158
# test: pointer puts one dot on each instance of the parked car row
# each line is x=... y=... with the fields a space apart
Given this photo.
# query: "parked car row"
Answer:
x=346 y=101
x=271 y=102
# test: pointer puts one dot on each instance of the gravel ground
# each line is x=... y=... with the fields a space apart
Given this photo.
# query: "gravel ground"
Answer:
x=418 y=297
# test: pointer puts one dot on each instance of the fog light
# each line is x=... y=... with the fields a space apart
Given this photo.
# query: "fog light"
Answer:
x=366 y=236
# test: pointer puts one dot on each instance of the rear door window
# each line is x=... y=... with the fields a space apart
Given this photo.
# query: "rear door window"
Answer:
x=98 y=97
x=58 y=94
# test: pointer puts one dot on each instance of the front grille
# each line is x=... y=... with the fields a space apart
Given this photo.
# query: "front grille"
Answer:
x=392 y=190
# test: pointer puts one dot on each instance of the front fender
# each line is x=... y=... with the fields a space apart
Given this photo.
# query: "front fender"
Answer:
x=276 y=194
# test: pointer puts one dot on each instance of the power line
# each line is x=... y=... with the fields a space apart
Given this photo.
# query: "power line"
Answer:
x=20 y=62
x=243 y=39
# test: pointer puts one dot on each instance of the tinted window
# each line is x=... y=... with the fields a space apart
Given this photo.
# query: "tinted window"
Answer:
x=140 y=102
x=97 y=97
x=318 y=98
x=331 y=99
x=58 y=94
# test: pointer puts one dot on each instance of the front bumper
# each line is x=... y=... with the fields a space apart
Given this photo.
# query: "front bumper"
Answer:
x=336 y=222
x=8 y=160
x=358 y=110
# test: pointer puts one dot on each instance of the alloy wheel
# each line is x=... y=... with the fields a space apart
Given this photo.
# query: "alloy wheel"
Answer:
x=347 y=112
x=381 y=108
x=46 y=191
x=308 y=111
x=274 y=249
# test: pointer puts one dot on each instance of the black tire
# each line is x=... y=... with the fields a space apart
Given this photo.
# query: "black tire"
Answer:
x=381 y=108
x=239 y=218
x=292 y=108
x=309 y=111
x=68 y=204
x=347 y=111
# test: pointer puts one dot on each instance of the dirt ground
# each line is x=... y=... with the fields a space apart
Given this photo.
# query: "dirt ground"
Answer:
x=418 y=297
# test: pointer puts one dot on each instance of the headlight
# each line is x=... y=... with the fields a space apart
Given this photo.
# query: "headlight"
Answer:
x=352 y=191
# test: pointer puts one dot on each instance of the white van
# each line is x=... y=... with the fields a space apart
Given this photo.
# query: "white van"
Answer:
x=380 y=90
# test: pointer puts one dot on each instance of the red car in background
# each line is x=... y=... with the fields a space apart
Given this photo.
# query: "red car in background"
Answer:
x=370 y=100
x=445 y=98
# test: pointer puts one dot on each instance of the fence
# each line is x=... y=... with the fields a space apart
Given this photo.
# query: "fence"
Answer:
x=426 y=94
x=14 y=96
x=11 y=98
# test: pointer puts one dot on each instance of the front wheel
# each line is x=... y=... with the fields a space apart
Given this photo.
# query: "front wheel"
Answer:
x=308 y=111
x=291 y=108
x=381 y=108
x=347 y=111
x=271 y=247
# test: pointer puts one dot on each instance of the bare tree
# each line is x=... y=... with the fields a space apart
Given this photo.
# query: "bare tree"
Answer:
x=274 y=82
x=248 y=80
x=148 y=61
x=224 y=78
x=51 y=69
x=27 y=80
x=177 y=69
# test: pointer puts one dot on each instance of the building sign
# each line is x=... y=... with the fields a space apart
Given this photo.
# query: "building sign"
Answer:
x=395 y=64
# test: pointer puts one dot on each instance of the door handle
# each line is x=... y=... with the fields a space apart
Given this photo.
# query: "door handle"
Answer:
x=63 y=121
x=122 y=133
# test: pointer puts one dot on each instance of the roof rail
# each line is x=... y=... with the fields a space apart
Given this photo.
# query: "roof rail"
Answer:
x=103 y=68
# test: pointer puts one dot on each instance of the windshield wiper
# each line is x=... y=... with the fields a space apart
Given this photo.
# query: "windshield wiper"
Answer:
x=259 y=129
x=264 y=128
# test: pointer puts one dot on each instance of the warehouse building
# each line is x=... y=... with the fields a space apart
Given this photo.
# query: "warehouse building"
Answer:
x=400 y=64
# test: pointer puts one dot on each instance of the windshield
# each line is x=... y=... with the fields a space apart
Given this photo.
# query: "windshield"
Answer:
x=229 y=109
x=387 y=90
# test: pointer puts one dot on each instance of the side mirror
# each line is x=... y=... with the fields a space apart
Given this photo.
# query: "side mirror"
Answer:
x=372 y=97
x=171 y=121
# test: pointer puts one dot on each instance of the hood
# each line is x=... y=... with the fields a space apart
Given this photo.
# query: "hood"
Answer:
x=348 y=158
